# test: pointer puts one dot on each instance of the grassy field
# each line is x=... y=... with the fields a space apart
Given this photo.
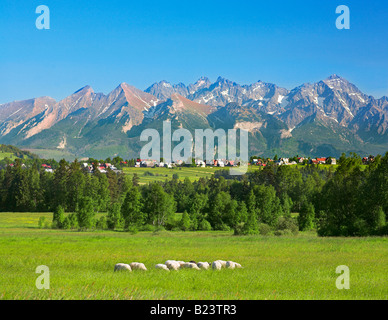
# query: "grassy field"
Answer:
x=81 y=264
x=147 y=175
x=56 y=154
x=8 y=155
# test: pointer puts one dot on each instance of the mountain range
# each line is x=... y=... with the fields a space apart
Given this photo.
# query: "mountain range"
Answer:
x=324 y=118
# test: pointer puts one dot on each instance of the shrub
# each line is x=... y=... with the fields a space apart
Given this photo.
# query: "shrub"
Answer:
x=287 y=223
x=264 y=229
x=175 y=175
x=239 y=229
x=224 y=227
x=148 y=173
x=43 y=223
x=205 y=225
x=102 y=223
x=159 y=229
x=133 y=229
x=285 y=232
x=147 y=227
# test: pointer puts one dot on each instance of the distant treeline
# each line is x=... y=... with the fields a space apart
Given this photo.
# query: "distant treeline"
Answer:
x=348 y=201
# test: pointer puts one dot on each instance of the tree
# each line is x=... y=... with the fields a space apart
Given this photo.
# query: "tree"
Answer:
x=114 y=188
x=373 y=200
x=132 y=209
x=378 y=220
x=184 y=194
x=159 y=205
x=267 y=204
x=232 y=214
x=196 y=210
x=125 y=184
x=251 y=225
x=22 y=190
x=58 y=217
x=240 y=218
x=287 y=205
x=114 y=218
x=103 y=194
x=216 y=210
x=340 y=201
x=185 y=222
x=75 y=185
x=60 y=185
x=85 y=213
x=306 y=217
x=286 y=179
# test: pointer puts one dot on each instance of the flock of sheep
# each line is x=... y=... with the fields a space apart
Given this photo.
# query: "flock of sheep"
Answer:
x=176 y=265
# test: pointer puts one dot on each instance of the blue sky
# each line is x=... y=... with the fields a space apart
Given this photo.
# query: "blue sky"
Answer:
x=104 y=43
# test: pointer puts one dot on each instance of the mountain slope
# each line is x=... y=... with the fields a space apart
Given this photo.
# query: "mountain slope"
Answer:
x=330 y=117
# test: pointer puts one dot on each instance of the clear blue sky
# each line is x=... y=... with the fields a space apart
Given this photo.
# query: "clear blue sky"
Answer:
x=104 y=43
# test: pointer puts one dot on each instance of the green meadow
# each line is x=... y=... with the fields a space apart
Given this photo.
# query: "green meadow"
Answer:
x=8 y=155
x=147 y=175
x=287 y=267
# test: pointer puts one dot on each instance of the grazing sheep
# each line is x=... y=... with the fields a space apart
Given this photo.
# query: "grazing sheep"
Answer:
x=190 y=265
x=230 y=265
x=172 y=265
x=222 y=262
x=216 y=265
x=203 y=265
x=138 y=266
x=162 y=266
x=122 y=267
x=237 y=265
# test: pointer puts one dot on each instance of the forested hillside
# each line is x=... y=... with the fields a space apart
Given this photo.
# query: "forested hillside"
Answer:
x=283 y=199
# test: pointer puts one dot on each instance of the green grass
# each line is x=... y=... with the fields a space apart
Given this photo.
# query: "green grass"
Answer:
x=56 y=154
x=8 y=155
x=193 y=173
x=81 y=264
x=161 y=174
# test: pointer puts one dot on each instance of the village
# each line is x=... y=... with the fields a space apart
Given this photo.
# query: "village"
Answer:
x=103 y=166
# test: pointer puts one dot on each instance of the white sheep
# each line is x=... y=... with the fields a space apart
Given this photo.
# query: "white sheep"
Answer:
x=122 y=267
x=138 y=266
x=230 y=265
x=222 y=262
x=172 y=265
x=216 y=265
x=162 y=266
x=237 y=265
x=203 y=265
x=190 y=265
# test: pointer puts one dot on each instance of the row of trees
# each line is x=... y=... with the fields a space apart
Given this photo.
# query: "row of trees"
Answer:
x=349 y=201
